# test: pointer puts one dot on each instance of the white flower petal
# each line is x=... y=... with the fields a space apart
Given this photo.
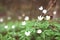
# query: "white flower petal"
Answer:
x=47 y=18
x=9 y=18
x=26 y=18
x=13 y=26
x=41 y=8
x=23 y=15
x=54 y=12
x=40 y=18
x=27 y=33
x=1 y=19
x=19 y=17
x=23 y=23
x=6 y=27
x=39 y=31
x=44 y=11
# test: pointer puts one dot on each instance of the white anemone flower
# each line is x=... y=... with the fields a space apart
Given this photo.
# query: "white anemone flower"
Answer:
x=19 y=17
x=13 y=26
x=54 y=12
x=23 y=23
x=27 y=33
x=1 y=19
x=40 y=18
x=41 y=8
x=5 y=26
x=23 y=15
x=44 y=11
x=47 y=18
x=26 y=18
x=9 y=18
x=39 y=31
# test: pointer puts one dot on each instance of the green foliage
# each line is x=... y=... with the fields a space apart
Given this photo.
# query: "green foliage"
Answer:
x=50 y=30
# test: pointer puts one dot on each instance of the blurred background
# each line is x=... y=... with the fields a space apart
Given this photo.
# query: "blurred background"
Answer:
x=22 y=8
